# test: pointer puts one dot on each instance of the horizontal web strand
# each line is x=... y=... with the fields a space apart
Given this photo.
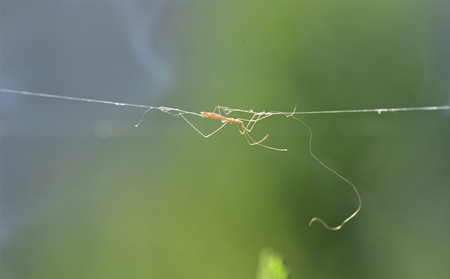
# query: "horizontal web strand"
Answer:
x=168 y=110
x=177 y=112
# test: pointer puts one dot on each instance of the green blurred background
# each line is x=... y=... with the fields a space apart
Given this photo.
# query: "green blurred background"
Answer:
x=84 y=194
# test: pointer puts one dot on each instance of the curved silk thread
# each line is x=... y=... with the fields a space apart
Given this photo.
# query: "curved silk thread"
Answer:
x=316 y=219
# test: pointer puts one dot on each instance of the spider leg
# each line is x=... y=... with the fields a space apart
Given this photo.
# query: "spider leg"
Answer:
x=251 y=141
x=252 y=122
x=142 y=117
x=198 y=131
x=217 y=108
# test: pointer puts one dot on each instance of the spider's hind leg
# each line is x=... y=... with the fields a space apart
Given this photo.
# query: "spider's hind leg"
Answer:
x=251 y=141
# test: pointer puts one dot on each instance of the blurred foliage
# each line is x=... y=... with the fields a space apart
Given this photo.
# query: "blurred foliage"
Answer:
x=271 y=265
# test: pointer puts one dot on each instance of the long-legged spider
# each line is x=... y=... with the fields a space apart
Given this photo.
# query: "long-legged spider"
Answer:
x=244 y=129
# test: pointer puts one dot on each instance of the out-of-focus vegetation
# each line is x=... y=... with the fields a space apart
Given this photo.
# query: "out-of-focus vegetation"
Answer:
x=271 y=265
x=84 y=194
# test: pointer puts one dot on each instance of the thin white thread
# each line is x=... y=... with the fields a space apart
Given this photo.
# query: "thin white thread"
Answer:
x=177 y=112
x=172 y=111
x=320 y=220
x=377 y=110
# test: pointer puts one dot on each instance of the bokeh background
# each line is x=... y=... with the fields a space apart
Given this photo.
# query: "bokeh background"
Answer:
x=84 y=194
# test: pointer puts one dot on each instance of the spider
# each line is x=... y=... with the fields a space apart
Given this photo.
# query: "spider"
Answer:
x=244 y=129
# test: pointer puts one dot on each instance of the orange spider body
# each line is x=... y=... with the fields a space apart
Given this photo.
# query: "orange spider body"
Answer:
x=244 y=129
x=222 y=118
